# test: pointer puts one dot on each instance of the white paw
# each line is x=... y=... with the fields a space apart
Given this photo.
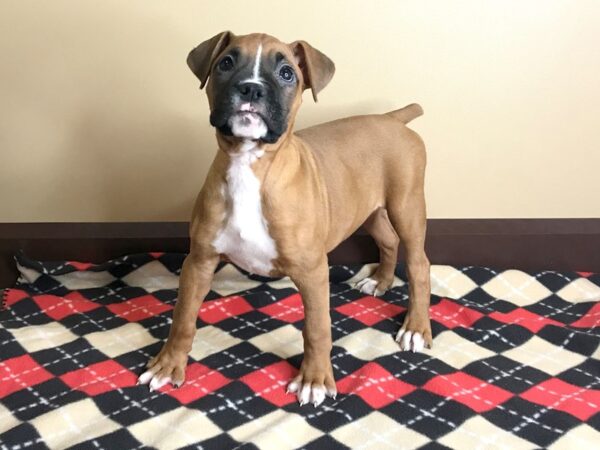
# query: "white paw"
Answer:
x=153 y=381
x=368 y=286
x=409 y=340
x=309 y=393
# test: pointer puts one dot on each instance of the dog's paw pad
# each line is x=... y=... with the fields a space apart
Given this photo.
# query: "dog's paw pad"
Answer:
x=410 y=341
x=368 y=286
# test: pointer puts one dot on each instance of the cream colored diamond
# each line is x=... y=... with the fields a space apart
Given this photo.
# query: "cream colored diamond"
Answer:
x=457 y=351
x=540 y=354
x=230 y=280
x=27 y=275
x=583 y=437
x=276 y=431
x=283 y=342
x=175 y=429
x=7 y=420
x=516 y=287
x=377 y=431
x=82 y=280
x=210 y=340
x=282 y=283
x=124 y=339
x=479 y=433
x=72 y=424
x=41 y=337
x=580 y=290
x=368 y=344
x=447 y=281
x=152 y=277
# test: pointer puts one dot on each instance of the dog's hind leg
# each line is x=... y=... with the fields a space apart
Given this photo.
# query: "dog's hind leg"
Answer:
x=407 y=215
x=378 y=225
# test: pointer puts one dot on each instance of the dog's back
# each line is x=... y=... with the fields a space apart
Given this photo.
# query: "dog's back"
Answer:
x=368 y=156
x=367 y=144
x=357 y=133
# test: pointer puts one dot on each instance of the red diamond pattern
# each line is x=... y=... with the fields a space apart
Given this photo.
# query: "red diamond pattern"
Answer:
x=99 y=378
x=80 y=265
x=370 y=310
x=139 y=308
x=477 y=394
x=215 y=311
x=61 y=307
x=19 y=373
x=12 y=296
x=452 y=315
x=524 y=318
x=200 y=380
x=270 y=382
x=375 y=385
x=289 y=309
x=591 y=319
x=557 y=394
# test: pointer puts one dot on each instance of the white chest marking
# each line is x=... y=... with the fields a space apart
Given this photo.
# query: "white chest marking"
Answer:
x=244 y=237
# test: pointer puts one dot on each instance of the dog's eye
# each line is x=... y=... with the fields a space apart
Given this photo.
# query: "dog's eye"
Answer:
x=226 y=64
x=286 y=73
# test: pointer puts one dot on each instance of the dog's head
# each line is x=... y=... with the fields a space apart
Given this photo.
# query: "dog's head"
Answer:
x=255 y=82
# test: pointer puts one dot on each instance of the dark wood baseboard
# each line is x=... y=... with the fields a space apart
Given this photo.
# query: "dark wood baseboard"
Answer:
x=556 y=244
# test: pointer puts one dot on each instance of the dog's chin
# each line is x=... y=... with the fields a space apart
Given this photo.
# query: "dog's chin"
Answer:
x=247 y=125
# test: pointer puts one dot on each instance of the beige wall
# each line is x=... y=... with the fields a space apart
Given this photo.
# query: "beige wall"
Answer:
x=100 y=119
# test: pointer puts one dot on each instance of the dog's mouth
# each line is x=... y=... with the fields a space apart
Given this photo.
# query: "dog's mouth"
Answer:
x=247 y=125
x=247 y=117
x=245 y=122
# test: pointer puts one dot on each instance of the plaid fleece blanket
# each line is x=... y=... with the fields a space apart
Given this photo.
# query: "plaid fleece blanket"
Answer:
x=515 y=361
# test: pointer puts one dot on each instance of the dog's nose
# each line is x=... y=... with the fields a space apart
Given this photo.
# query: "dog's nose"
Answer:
x=250 y=91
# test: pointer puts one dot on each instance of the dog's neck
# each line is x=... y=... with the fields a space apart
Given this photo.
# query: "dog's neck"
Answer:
x=263 y=158
x=233 y=146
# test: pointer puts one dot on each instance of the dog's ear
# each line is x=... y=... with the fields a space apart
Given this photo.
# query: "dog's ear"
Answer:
x=201 y=59
x=317 y=69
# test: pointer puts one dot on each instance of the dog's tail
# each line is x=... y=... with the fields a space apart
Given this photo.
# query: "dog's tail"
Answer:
x=407 y=113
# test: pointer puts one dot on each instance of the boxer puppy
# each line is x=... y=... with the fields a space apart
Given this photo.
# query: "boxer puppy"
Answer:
x=276 y=202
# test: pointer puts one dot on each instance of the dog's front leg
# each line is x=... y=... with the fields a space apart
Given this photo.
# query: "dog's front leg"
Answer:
x=315 y=379
x=169 y=365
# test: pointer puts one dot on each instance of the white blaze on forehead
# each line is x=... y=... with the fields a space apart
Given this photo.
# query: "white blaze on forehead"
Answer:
x=256 y=69
x=249 y=125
